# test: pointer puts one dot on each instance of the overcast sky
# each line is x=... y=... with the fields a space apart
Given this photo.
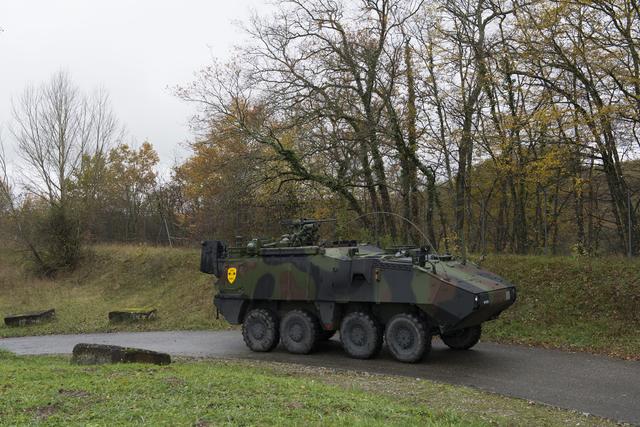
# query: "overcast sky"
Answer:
x=134 y=49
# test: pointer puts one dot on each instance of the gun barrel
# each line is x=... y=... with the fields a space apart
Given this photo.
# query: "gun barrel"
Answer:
x=303 y=221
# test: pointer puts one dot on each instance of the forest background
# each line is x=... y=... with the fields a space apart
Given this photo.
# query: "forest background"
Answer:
x=493 y=126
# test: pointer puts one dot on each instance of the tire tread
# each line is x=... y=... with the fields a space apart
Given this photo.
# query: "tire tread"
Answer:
x=372 y=323
x=423 y=329
x=474 y=338
x=272 y=322
x=314 y=325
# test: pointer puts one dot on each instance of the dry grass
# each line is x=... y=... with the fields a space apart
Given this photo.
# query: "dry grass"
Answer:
x=110 y=278
x=571 y=303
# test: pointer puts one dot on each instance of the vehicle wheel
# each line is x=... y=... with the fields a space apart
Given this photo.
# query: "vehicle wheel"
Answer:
x=361 y=335
x=463 y=339
x=324 y=335
x=299 y=331
x=260 y=330
x=407 y=337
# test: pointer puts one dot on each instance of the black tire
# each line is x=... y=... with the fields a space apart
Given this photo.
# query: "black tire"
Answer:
x=407 y=337
x=260 y=330
x=324 y=335
x=463 y=339
x=361 y=335
x=299 y=331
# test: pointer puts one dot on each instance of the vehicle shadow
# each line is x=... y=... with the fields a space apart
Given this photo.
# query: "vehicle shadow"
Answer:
x=331 y=355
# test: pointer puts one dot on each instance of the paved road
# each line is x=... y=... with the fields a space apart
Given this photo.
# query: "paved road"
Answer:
x=598 y=385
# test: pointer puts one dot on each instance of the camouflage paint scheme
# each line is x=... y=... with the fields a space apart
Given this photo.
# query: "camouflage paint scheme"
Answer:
x=327 y=281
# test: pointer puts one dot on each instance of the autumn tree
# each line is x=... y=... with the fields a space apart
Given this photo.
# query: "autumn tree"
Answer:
x=590 y=67
x=501 y=125
x=318 y=72
x=234 y=188
x=130 y=178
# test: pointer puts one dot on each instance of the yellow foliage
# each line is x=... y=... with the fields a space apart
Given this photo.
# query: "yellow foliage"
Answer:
x=546 y=167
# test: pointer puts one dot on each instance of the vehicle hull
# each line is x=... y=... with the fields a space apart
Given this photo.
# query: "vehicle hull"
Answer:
x=330 y=282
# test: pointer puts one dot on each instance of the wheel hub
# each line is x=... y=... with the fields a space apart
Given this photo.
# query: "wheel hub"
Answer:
x=258 y=330
x=296 y=332
x=358 y=335
x=404 y=338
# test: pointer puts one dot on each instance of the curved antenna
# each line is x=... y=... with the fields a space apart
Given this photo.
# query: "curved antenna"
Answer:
x=401 y=217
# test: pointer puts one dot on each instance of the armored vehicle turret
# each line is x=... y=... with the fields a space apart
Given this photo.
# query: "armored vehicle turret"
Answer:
x=298 y=291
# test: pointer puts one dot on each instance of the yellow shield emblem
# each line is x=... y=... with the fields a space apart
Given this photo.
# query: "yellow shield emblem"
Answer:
x=231 y=274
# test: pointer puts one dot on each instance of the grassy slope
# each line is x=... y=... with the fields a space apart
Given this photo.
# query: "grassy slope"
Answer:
x=581 y=304
x=112 y=277
x=48 y=390
x=571 y=303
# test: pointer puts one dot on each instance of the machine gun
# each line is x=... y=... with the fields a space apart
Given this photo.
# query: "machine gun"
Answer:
x=304 y=231
x=299 y=223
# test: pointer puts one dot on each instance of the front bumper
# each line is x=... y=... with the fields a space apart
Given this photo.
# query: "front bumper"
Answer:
x=488 y=306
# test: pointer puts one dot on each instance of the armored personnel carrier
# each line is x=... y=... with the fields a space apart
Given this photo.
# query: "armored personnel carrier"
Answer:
x=299 y=292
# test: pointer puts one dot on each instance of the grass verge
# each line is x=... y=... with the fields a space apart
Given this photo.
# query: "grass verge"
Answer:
x=111 y=278
x=587 y=304
x=50 y=391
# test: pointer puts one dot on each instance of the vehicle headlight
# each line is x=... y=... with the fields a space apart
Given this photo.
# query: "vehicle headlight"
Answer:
x=481 y=300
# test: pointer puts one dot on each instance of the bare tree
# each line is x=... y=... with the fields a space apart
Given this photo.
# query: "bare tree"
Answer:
x=57 y=128
x=6 y=192
x=55 y=125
